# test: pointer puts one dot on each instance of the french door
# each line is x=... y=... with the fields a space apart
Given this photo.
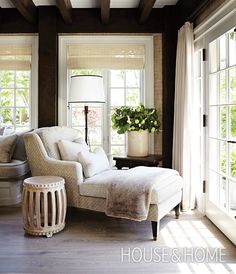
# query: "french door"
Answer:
x=220 y=73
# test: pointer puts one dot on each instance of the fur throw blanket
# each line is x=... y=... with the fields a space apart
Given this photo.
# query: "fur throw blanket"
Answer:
x=129 y=195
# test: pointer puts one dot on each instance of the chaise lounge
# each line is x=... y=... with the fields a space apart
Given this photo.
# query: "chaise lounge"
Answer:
x=91 y=193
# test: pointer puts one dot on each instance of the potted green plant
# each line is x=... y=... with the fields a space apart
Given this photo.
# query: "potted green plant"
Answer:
x=138 y=122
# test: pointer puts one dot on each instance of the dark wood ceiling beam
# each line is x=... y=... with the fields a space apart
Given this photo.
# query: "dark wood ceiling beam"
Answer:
x=65 y=9
x=27 y=9
x=105 y=11
x=145 y=8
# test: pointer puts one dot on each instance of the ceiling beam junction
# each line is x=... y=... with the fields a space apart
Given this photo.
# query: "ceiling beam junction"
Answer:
x=65 y=9
x=27 y=9
x=105 y=11
x=145 y=8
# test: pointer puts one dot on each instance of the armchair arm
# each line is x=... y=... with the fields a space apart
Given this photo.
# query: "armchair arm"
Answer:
x=66 y=169
x=42 y=165
x=70 y=171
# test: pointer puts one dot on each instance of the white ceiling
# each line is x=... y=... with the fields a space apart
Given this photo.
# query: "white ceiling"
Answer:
x=94 y=3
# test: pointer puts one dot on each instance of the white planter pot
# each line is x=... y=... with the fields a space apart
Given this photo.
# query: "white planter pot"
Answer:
x=138 y=143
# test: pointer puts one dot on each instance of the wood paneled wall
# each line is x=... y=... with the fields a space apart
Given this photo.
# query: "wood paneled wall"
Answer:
x=169 y=55
x=158 y=86
x=48 y=73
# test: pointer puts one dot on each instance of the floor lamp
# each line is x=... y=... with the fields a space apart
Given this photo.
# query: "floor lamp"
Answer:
x=86 y=89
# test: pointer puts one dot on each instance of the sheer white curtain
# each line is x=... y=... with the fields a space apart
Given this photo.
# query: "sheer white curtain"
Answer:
x=186 y=146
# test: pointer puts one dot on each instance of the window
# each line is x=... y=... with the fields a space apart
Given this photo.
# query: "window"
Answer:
x=17 y=91
x=126 y=64
x=123 y=88
x=15 y=99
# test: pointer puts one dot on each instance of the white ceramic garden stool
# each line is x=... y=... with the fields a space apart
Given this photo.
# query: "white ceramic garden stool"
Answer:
x=44 y=205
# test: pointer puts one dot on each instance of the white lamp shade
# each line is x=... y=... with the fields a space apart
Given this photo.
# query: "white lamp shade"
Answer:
x=86 y=89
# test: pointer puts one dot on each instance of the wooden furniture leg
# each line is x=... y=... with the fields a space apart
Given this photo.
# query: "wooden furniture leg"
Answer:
x=177 y=211
x=155 y=229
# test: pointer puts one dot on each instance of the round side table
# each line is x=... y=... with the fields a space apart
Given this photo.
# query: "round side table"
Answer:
x=44 y=205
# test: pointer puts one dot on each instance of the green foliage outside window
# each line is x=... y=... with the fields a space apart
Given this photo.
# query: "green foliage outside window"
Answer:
x=232 y=130
x=14 y=98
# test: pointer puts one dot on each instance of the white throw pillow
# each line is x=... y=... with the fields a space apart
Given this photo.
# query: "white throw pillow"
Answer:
x=93 y=163
x=69 y=150
x=52 y=135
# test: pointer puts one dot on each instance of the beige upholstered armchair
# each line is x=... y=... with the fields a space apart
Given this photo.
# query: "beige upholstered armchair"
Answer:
x=44 y=159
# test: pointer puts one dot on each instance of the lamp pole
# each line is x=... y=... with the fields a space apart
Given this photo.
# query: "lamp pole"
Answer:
x=86 y=123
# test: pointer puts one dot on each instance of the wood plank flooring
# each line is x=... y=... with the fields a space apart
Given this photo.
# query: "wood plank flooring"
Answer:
x=95 y=243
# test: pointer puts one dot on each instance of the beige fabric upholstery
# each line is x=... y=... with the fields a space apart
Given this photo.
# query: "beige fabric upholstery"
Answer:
x=19 y=152
x=156 y=211
x=94 y=187
x=51 y=136
x=15 y=168
x=7 y=146
x=43 y=162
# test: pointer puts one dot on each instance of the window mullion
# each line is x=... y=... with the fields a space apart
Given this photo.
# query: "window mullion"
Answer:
x=14 y=111
x=228 y=127
x=107 y=113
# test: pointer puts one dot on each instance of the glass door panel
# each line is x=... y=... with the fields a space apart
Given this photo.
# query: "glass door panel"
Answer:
x=222 y=123
x=223 y=193
x=232 y=47
x=232 y=198
x=214 y=180
x=213 y=121
x=232 y=85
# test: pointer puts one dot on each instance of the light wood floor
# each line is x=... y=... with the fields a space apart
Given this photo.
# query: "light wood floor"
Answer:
x=93 y=243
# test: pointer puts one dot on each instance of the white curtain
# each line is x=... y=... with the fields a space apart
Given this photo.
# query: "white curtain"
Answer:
x=186 y=146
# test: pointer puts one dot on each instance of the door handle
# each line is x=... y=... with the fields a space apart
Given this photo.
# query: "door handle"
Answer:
x=231 y=142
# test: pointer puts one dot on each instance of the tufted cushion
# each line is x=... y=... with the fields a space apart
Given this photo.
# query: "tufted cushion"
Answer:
x=7 y=146
x=15 y=168
x=51 y=136
x=69 y=150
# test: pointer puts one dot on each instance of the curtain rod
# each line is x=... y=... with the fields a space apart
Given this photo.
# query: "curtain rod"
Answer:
x=198 y=10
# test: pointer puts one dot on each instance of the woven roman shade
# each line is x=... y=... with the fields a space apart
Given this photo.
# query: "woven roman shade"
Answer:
x=106 y=56
x=15 y=57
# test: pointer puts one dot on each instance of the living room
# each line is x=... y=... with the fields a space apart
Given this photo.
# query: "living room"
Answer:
x=117 y=136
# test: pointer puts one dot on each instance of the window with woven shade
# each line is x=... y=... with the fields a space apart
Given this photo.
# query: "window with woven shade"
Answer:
x=16 y=84
x=106 y=56
x=126 y=64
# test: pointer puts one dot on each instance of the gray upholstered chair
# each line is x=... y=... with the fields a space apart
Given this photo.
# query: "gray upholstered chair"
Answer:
x=12 y=175
x=44 y=159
